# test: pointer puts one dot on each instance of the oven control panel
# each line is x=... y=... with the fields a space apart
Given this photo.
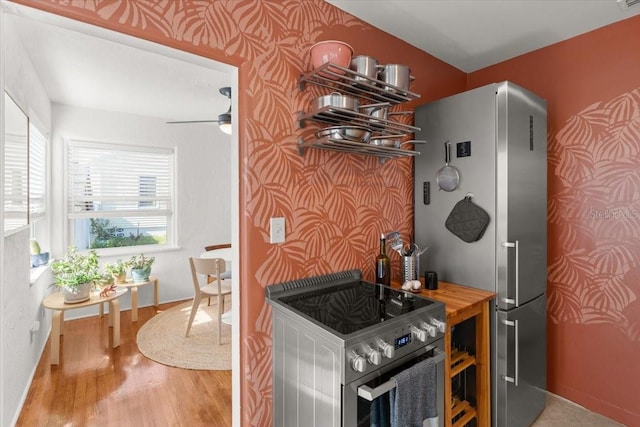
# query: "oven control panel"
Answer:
x=394 y=341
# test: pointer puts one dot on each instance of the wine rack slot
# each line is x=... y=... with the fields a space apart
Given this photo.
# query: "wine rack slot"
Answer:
x=460 y=360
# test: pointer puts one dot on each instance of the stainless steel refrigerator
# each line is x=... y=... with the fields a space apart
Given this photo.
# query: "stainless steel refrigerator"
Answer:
x=497 y=138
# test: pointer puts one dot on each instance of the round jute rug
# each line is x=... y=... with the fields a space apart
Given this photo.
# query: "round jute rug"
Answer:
x=162 y=339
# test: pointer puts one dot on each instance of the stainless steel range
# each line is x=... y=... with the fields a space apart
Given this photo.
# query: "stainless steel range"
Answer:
x=337 y=343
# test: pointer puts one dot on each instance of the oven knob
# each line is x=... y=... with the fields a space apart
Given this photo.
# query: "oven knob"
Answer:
x=373 y=356
x=387 y=349
x=358 y=363
x=420 y=334
x=442 y=326
x=431 y=330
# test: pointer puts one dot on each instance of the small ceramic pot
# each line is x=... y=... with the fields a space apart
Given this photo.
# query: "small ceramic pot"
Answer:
x=140 y=274
x=77 y=294
x=119 y=278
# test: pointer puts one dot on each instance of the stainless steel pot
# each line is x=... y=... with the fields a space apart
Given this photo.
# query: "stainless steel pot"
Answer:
x=393 y=141
x=335 y=100
x=385 y=142
x=365 y=65
x=378 y=113
x=348 y=133
x=397 y=77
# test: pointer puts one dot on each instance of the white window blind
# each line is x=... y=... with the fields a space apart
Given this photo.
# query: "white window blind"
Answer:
x=16 y=166
x=122 y=193
x=15 y=182
x=37 y=173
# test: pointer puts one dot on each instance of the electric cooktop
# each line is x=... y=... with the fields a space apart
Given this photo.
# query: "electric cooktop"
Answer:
x=349 y=307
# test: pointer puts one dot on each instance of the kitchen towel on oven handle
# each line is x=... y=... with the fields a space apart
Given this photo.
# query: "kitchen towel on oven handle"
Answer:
x=414 y=400
x=467 y=220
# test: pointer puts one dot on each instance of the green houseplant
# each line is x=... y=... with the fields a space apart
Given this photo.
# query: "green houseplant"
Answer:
x=76 y=273
x=141 y=267
x=117 y=270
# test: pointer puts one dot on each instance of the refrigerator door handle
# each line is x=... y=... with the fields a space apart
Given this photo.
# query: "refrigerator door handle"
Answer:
x=514 y=379
x=517 y=299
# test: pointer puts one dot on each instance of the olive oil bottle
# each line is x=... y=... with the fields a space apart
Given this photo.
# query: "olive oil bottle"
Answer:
x=383 y=264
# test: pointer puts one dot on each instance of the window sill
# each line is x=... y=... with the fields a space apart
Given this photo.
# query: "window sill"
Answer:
x=37 y=272
x=130 y=251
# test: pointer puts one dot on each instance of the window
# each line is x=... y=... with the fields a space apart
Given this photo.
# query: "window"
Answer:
x=119 y=196
x=37 y=174
x=16 y=164
x=147 y=191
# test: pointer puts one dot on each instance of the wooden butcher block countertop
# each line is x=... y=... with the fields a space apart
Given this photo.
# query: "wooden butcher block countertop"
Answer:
x=457 y=298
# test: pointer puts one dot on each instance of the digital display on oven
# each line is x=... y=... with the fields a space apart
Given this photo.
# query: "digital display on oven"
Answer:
x=403 y=340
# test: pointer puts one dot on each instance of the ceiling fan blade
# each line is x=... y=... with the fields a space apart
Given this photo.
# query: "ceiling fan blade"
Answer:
x=193 y=121
x=224 y=119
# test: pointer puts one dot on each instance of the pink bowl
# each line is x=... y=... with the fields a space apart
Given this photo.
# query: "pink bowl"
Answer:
x=336 y=52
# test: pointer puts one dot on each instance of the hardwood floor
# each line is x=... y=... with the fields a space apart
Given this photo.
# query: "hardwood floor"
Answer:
x=95 y=385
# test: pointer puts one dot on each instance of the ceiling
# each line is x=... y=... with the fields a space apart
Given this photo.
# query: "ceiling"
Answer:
x=106 y=72
x=473 y=34
x=95 y=68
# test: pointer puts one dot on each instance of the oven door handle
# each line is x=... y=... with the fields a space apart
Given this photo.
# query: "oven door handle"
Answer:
x=370 y=394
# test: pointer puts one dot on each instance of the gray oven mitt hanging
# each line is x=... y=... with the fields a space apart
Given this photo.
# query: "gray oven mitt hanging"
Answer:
x=467 y=220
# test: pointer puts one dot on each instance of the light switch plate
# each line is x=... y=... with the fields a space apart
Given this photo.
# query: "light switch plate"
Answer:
x=277 y=230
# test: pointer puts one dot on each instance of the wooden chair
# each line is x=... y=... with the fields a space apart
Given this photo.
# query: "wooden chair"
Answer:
x=209 y=268
x=224 y=275
x=214 y=247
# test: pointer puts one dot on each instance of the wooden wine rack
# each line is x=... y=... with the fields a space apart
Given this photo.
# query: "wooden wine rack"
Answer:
x=460 y=360
x=462 y=304
x=462 y=412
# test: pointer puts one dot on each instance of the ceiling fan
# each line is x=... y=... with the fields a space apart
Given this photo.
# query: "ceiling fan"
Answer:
x=224 y=119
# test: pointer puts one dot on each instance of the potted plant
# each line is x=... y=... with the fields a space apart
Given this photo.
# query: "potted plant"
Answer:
x=117 y=270
x=141 y=267
x=76 y=273
x=105 y=281
x=38 y=257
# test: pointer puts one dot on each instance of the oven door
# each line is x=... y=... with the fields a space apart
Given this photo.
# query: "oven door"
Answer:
x=365 y=402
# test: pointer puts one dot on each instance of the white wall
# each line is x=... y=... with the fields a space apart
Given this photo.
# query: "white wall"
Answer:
x=203 y=175
x=20 y=300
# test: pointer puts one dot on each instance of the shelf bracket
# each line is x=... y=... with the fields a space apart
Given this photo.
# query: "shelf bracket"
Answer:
x=301 y=120
x=301 y=82
x=301 y=148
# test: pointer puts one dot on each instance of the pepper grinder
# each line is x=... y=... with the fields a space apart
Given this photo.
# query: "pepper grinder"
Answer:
x=431 y=280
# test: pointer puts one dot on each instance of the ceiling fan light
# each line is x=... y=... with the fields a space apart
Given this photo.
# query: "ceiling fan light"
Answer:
x=226 y=128
x=224 y=119
x=224 y=122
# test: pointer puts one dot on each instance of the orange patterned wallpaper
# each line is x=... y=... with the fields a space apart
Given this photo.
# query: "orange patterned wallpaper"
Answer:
x=592 y=85
x=335 y=205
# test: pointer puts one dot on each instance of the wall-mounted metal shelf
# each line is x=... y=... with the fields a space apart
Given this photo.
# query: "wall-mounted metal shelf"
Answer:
x=338 y=116
x=350 y=82
x=383 y=153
